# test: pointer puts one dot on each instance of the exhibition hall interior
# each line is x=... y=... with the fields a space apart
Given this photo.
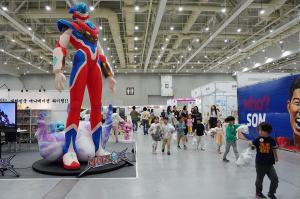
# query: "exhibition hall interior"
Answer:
x=143 y=99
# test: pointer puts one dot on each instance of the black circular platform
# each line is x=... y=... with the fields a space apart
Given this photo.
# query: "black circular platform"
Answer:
x=55 y=168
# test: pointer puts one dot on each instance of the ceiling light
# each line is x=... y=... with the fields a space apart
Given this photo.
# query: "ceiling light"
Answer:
x=162 y=48
x=39 y=67
x=271 y=31
x=197 y=40
x=171 y=28
x=198 y=62
x=117 y=70
x=114 y=61
x=136 y=48
x=262 y=11
x=92 y=8
x=178 y=62
x=174 y=66
x=136 y=27
x=152 y=70
x=108 y=48
x=111 y=56
x=134 y=70
x=43 y=40
x=245 y=69
x=223 y=10
x=29 y=62
x=41 y=57
x=207 y=29
x=159 y=56
x=248 y=57
x=28 y=49
x=4 y=8
x=181 y=56
x=205 y=56
x=192 y=67
x=187 y=71
x=170 y=70
x=47 y=71
x=2 y=50
x=240 y=50
x=5 y=63
x=18 y=57
x=136 y=38
x=167 y=39
x=104 y=39
x=180 y=9
x=51 y=62
x=239 y=30
x=100 y=27
x=226 y=40
x=136 y=8
x=13 y=40
x=27 y=72
x=135 y=56
x=227 y=57
x=29 y=28
x=189 y=49
x=18 y=68
x=263 y=50
x=253 y=41
x=48 y=8
x=281 y=42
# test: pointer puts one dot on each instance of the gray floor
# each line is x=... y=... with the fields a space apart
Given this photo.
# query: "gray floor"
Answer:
x=185 y=174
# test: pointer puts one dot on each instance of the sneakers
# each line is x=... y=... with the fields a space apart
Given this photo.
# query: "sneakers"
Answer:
x=185 y=147
x=178 y=147
x=169 y=153
x=202 y=149
x=163 y=150
x=271 y=196
x=225 y=160
x=260 y=195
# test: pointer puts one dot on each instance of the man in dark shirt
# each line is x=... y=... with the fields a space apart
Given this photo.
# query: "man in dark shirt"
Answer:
x=265 y=159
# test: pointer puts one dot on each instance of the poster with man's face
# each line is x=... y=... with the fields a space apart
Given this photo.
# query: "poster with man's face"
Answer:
x=276 y=102
x=294 y=110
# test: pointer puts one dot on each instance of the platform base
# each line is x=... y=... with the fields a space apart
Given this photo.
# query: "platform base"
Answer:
x=54 y=168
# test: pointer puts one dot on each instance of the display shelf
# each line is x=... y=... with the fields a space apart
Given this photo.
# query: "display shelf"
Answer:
x=27 y=120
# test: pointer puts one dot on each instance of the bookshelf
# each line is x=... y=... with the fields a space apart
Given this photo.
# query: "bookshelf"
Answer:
x=27 y=120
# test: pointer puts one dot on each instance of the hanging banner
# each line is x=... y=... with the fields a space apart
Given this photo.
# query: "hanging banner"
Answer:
x=166 y=86
x=276 y=102
x=53 y=100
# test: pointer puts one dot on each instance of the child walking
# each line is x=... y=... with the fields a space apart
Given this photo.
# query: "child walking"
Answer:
x=116 y=121
x=180 y=128
x=266 y=157
x=167 y=130
x=189 y=123
x=231 y=140
x=219 y=136
x=199 y=133
x=155 y=132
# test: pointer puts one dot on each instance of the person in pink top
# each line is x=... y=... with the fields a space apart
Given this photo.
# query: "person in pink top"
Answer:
x=189 y=124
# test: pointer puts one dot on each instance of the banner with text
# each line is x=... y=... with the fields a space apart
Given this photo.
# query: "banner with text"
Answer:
x=276 y=102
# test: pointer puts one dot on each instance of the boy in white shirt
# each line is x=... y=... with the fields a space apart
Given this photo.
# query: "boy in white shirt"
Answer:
x=167 y=130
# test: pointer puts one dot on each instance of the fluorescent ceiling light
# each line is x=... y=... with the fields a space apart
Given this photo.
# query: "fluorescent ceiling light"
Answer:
x=48 y=8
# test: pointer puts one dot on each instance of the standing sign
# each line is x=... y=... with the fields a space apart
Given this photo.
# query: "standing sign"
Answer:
x=276 y=102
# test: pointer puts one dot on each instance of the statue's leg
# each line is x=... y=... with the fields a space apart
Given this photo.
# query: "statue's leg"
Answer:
x=78 y=79
x=94 y=84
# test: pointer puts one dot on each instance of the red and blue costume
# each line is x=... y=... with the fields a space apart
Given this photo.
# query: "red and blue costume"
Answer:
x=88 y=65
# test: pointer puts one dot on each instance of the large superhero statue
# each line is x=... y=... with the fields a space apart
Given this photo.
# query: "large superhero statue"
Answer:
x=88 y=65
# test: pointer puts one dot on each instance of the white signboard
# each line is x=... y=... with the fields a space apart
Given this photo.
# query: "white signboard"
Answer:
x=166 y=86
x=245 y=79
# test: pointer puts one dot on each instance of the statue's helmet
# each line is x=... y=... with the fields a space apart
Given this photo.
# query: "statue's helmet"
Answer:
x=80 y=11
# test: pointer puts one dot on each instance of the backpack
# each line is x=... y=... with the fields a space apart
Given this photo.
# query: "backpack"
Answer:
x=157 y=135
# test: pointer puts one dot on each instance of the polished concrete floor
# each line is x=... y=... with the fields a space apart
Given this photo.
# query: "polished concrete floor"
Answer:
x=185 y=174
